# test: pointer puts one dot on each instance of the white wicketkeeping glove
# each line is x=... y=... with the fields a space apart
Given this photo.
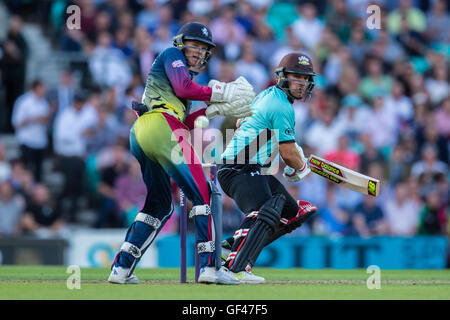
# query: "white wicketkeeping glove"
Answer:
x=237 y=109
x=292 y=175
x=239 y=89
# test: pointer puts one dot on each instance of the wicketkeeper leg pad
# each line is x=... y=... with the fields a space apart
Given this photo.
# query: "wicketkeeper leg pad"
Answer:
x=139 y=237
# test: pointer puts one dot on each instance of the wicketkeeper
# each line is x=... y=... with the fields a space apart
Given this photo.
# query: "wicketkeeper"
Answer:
x=270 y=210
x=159 y=139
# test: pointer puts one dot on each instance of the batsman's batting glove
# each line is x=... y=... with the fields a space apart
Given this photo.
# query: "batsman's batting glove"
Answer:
x=292 y=175
x=239 y=89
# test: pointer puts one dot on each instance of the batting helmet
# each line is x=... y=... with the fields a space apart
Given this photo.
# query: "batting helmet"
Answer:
x=297 y=63
x=198 y=32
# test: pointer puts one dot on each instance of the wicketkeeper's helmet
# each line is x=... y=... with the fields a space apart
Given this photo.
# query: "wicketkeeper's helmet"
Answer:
x=298 y=63
x=195 y=31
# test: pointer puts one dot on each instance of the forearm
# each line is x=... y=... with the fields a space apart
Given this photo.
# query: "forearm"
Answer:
x=187 y=89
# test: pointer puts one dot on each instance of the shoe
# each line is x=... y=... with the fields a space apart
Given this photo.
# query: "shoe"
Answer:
x=120 y=275
x=221 y=276
x=247 y=277
x=207 y=275
x=225 y=276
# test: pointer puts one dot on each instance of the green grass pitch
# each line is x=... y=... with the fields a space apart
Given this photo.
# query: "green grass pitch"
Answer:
x=50 y=282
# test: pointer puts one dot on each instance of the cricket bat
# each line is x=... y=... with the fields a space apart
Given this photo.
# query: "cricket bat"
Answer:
x=343 y=176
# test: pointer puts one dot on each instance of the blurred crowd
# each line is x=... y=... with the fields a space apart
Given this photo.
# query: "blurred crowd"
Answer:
x=380 y=106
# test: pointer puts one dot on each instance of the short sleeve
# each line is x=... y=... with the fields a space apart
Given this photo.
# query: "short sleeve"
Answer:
x=283 y=120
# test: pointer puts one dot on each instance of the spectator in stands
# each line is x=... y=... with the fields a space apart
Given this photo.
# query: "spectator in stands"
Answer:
x=122 y=42
x=11 y=206
x=376 y=82
x=429 y=134
x=245 y=16
x=292 y=45
x=336 y=62
x=414 y=18
x=30 y=118
x=442 y=119
x=248 y=67
x=437 y=22
x=433 y=219
x=323 y=134
x=353 y=116
x=308 y=27
x=437 y=85
x=104 y=133
x=5 y=166
x=429 y=168
x=398 y=165
x=40 y=217
x=107 y=216
x=386 y=48
x=108 y=65
x=61 y=97
x=280 y=15
x=369 y=154
x=382 y=125
x=130 y=193
x=339 y=18
x=358 y=44
x=265 y=44
x=148 y=16
x=343 y=155
x=13 y=57
x=228 y=33
x=368 y=218
x=402 y=214
x=333 y=219
x=70 y=147
x=144 y=53
x=398 y=104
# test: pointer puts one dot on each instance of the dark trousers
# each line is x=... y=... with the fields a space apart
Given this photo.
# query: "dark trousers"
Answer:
x=33 y=159
x=250 y=189
x=73 y=170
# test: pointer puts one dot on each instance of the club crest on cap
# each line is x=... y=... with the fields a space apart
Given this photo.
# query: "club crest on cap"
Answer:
x=205 y=31
x=303 y=60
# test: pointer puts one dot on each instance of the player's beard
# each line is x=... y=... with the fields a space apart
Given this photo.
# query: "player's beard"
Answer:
x=298 y=93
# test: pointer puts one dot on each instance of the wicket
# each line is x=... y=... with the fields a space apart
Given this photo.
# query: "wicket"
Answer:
x=183 y=231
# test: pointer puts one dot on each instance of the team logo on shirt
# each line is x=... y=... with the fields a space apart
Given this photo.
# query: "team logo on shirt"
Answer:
x=205 y=31
x=303 y=60
x=177 y=64
x=289 y=131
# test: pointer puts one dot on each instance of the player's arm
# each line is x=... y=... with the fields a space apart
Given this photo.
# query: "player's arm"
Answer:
x=296 y=163
x=227 y=99
x=291 y=155
x=180 y=79
x=283 y=120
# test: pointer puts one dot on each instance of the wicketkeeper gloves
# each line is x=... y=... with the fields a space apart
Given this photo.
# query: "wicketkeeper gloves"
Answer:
x=230 y=98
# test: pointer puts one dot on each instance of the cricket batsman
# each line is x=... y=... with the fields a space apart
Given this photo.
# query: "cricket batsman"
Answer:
x=270 y=210
x=160 y=137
